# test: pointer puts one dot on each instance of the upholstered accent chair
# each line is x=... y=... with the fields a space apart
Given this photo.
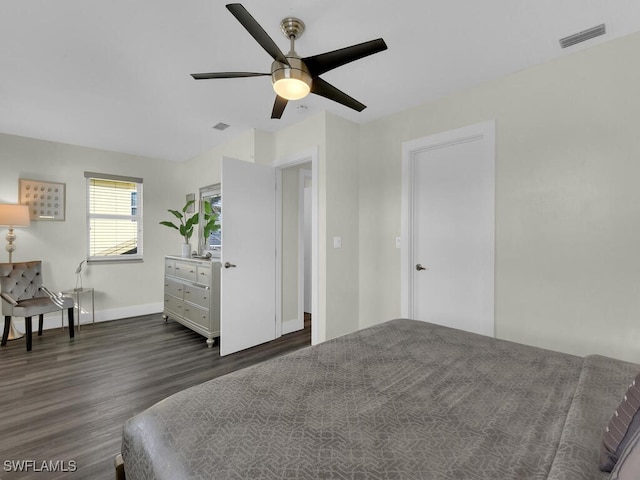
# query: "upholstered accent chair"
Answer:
x=23 y=295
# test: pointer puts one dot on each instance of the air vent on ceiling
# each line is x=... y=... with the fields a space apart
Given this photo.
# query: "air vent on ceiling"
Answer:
x=583 y=36
x=220 y=126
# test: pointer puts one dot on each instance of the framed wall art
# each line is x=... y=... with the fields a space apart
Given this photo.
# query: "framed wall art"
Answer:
x=46 y=200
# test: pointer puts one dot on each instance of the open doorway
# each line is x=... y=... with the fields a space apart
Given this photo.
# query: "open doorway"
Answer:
x=296 y=234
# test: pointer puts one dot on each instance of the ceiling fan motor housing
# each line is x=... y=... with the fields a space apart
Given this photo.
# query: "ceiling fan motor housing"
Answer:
x=291 y=81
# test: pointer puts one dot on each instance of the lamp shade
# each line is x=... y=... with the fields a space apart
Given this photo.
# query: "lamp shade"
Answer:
x=12 y=215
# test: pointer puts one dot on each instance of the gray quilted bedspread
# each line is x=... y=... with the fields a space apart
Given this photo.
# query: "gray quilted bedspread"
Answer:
x=401 y=400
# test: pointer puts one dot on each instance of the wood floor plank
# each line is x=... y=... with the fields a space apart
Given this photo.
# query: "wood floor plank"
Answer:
x=67 y=399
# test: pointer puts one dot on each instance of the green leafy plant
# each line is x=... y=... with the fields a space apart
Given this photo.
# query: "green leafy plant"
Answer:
x=186 y=223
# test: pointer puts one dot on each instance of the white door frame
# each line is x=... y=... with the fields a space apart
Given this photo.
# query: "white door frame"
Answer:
x=306 y=156
x=303 y=174
x=484 y=131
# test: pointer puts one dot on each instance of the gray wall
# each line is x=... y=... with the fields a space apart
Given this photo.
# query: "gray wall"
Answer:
x=122 y=289
x=567 y=200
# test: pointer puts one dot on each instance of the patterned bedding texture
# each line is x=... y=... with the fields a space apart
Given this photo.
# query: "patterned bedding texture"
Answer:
x=400 y=400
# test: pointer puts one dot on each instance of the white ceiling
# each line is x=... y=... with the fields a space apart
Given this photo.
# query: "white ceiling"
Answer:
x=115 y=74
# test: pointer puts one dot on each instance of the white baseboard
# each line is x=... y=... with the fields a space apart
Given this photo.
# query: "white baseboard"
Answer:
x=293 y=325
x=54 y=320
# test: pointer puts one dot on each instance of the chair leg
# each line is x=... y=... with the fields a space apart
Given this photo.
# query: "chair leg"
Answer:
x=29 y=333
x=40 y=324
x=5 y=333
x=72 y=329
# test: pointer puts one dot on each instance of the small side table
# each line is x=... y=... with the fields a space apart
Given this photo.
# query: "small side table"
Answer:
x=76 y=294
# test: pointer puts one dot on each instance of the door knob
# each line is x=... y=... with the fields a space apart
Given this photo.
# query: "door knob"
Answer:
x=420 y=267
x=228 y=265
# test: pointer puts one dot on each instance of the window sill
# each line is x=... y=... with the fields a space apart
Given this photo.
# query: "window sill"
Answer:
x=97 y=261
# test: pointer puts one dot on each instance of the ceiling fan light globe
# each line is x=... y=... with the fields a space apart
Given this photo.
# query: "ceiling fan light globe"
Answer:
x=291 y=88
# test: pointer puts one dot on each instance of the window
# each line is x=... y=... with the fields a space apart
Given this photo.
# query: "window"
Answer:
x=114 y=217
x=134 y=203
x=212 y=196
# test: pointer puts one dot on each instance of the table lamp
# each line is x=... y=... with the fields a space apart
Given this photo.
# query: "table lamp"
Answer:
x=12 y=215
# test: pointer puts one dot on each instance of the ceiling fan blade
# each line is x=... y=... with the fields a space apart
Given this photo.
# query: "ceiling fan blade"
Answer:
x=325 y=89
x=319 y=64
x=206 y=76
x=278 y=107
x=257 y=32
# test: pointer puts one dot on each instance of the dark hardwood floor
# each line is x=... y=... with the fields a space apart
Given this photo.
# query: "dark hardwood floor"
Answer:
x=67 y=399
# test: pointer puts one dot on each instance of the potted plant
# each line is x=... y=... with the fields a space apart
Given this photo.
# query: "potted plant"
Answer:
x=185 y=226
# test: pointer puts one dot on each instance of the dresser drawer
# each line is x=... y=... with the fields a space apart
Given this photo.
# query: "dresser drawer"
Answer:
x=186 y=270
x=203 y=274
x=198 y=295
x=197 y=315
x=174 y=305
x=169 y=267
x=174 y=287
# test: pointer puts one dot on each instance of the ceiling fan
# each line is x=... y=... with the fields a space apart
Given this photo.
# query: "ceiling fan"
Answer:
x=294 y=77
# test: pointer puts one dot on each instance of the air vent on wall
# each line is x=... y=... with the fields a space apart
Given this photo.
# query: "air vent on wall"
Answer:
x=220 y=126
x=583 y=36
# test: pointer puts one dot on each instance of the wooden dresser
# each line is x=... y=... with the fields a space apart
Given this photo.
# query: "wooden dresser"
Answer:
x=192 y=294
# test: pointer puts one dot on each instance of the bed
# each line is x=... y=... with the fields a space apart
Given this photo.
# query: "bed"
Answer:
x=399 y=400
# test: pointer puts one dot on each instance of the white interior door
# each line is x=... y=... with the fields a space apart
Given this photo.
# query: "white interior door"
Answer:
x=248 y=291
x=451 y=234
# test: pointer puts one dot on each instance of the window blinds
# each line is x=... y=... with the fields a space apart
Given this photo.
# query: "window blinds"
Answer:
x=114 y=217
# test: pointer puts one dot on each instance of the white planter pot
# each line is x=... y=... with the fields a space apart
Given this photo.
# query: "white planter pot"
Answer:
x=186 y=250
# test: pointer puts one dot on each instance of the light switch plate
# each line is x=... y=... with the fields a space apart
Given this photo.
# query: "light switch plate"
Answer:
x=337 y=242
